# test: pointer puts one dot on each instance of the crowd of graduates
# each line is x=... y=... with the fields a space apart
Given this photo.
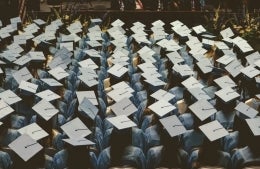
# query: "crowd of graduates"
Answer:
x=92 y=76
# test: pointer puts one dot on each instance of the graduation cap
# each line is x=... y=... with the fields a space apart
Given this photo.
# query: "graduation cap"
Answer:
x=245 y=111
x=25 y=147
x=199 y=29
x=48 y=95
x=9 y=97
x=22 y=75
x=90 y=95
x=119 y=94
x=175 y=57
x=163 y=95
x=225 y=81
x=88 y=80
x=183 y=70
x=254 y=125
x=199 y=94
x=121 y=122
x=78 y=142
x=87 y=107
x=124 y=107
x=34 y=131
x=28 y=87
x=117 y=70
x=227 y=94
x=162 y=107
x=191 y=82
x=213 y=130
x=253 y=58
x=45 y=109
x=234 y=68
x=88 y=63
x=58 y=73
x=226 y=33
x=205 y=65
x=173 y=125
x=202 y=109
x=5 y=109
x=51 y=82
x=250 y=71
x=76 y=129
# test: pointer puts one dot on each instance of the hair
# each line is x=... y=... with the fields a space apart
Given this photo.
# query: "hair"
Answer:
x=78 y=157
x=206 y=149
x=120 y=139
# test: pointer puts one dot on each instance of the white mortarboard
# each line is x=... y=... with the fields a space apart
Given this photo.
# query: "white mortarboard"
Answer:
x=176 y=23
x=90 y=109
x=199 y=29
x=254 y=125
x=208 y=36
x=253 y=58
x=23 y=60
x=5 y=109
x=124 y=107
x=88 y=80
x=58 y=73
x=92 y=53
x=27 y=86
x=123 y=62
x=147 y=67
x=246 y=110
x=39 y=22
x=225 y=81
x=9 y=97
x=95 y=20
x=162 y=95
x=22 y=75
x=227 y=33
x=151 y=75
x=57 y=62
x=205 y=65
x=202 y=109
x=117 y=22
x=191 y=82
x=226 y=59
x=88 y=72
x=123 y=85
x=88 y=63
x=257 y=63
x=94 y=43
x=162 y=107
x=213 y=130
x=258 y=96
x=121 y=122
x=158 y=23
x=76 y=129
x=68 y=45
x=119 y=94
x=25 y=147
x=45 y=109
x=94 y=36
x=148 y=58
x=90 y=95
x=175 y=57
x=227 y=94
x=1 y=71
x=173 y=125
x=221 y=45
x=250 y=71
x=20 y=39
x=34 y=131
x=117 y=70
x=199 y=94
x=208 y=42
x=183 y=70
x=155 y=82
x=51 y=82
x=48 y=95
x=15 y=20
x=36 y=55
x=78 y=142
x=234 y=68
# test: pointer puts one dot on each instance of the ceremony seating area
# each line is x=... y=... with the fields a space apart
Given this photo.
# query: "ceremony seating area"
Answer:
x=118 y=93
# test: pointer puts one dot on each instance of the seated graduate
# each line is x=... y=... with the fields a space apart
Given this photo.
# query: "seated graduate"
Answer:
x=169 y=154
x=250 y=154
x=209 y=154
x=76 y=145
x=121 y=152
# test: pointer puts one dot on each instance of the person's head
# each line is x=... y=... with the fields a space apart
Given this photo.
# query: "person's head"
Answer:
x=119 y=140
